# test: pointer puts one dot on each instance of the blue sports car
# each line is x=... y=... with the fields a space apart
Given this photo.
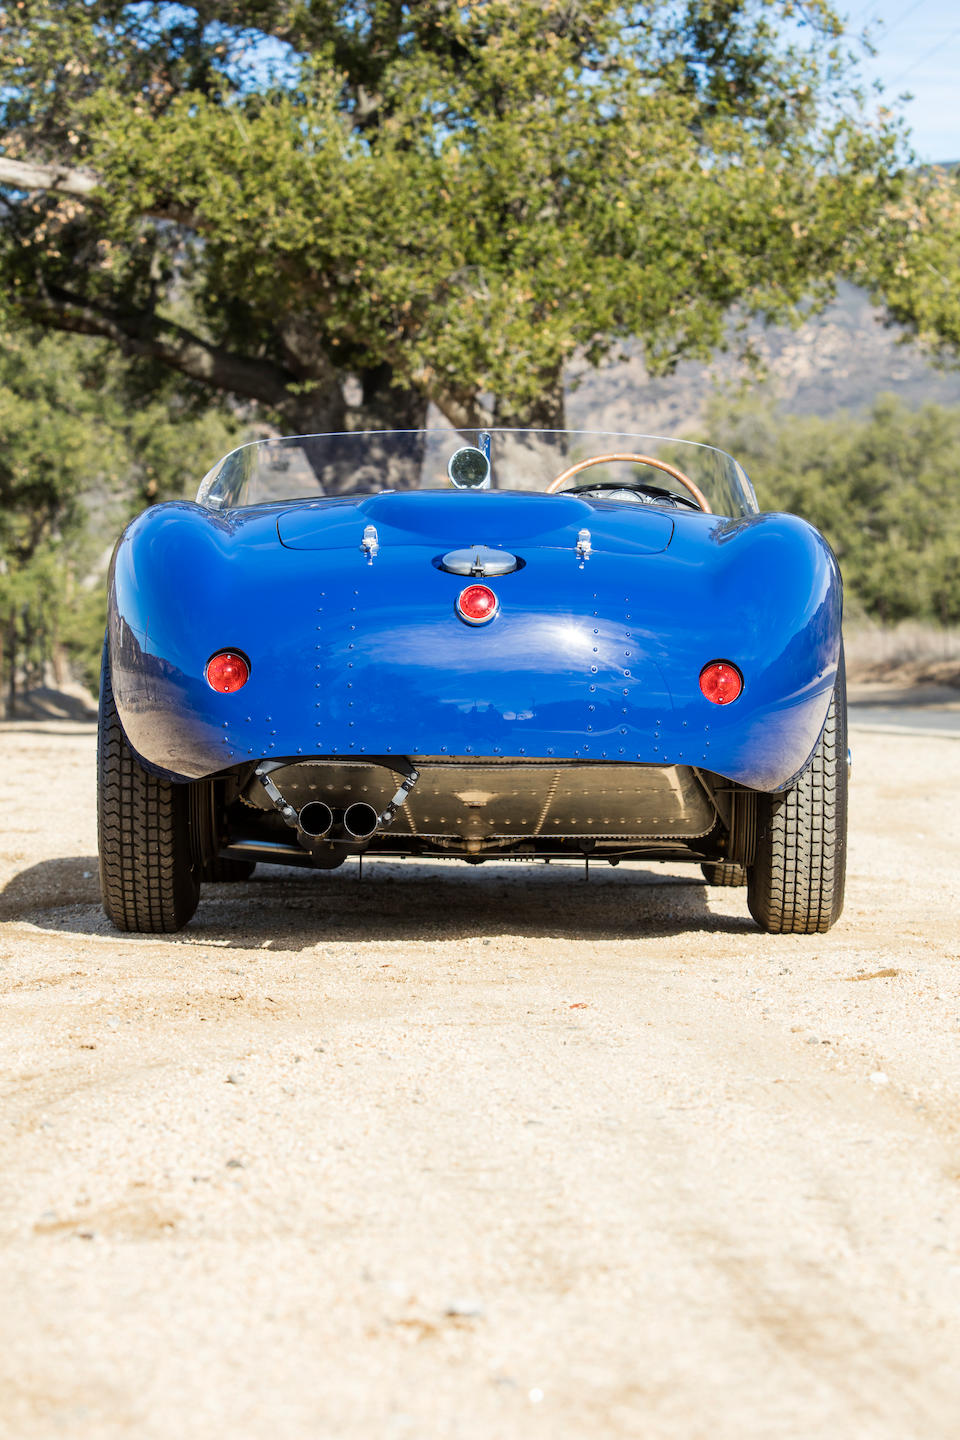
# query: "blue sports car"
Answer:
x=499 y=644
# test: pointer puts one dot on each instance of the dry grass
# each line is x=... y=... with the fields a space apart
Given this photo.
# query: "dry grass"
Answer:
x=911 y=653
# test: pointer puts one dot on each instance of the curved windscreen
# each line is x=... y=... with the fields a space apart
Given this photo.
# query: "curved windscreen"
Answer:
x=305 y=467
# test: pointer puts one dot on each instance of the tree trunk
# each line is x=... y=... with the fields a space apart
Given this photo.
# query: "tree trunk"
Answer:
x=546 y=412
x=387 y=406
x=373 y=403
x=538 y=457
x=12 y=662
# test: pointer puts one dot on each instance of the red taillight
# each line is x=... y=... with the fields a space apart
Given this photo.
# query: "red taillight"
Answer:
x=227 y=671
x=721 y=682
x=477 y=604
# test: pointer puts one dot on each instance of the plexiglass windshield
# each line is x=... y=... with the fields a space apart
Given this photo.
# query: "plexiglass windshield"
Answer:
x=306 y=467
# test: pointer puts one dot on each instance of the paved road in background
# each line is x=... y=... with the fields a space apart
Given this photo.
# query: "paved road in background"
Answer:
x=906 y=721
x=922 y=710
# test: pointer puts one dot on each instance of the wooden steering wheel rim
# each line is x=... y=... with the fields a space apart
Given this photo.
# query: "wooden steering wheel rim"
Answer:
x=684 y=480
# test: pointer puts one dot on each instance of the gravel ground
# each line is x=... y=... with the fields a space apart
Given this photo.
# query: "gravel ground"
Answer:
x=481 y=1152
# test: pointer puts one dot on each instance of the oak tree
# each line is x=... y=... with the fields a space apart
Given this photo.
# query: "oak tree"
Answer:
x=342 y=210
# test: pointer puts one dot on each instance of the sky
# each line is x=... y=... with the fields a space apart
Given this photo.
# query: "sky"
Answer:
x=918 y=49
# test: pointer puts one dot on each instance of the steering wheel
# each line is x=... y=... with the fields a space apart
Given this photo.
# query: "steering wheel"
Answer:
x=678 y=475
x=655 y=494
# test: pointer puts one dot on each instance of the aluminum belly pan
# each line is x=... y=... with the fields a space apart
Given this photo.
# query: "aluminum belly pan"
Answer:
x=513 y=799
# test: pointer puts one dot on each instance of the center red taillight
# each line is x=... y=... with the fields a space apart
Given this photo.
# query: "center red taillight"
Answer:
x=476 y=604
x=227 y=671
x=721 y=682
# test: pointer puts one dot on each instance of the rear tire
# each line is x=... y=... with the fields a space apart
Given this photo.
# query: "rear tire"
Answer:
x=149 y=871
x=795 y=885
x=722 y=872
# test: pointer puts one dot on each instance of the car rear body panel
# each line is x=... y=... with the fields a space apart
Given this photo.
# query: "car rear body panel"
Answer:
x=594 y=655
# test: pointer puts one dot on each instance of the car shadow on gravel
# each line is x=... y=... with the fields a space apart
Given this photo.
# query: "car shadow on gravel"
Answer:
x=401 y=900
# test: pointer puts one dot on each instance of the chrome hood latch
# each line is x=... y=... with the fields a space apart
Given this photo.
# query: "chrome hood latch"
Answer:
x=370 y=544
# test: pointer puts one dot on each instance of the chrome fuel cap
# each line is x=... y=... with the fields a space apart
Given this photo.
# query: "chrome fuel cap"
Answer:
x=479 y=560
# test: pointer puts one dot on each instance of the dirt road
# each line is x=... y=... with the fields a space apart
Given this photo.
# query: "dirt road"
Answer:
x=481 y=1152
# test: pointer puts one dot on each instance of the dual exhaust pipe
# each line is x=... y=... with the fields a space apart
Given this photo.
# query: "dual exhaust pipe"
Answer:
x=316 y=820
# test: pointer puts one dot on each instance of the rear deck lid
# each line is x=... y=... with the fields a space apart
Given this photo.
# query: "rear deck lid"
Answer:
x=502 y=520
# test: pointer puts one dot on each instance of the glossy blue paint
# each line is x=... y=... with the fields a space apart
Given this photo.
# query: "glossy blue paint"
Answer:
x=586 y=660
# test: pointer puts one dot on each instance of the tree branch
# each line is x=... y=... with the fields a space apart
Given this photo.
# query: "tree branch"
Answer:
x=37 y=175
x=151 y=337
x=463 y=410
x=28 y=175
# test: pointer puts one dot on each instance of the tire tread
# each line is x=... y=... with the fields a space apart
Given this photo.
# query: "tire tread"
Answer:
x=796 y=883
x=723 y=872
x=149 y=881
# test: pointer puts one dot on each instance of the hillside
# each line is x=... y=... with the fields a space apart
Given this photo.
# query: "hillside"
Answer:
x=840 y=360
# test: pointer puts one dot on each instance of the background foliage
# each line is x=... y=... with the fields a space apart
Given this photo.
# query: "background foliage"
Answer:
x=884 y=489
x=82 y=448
x=447 y=201
x=328 y=214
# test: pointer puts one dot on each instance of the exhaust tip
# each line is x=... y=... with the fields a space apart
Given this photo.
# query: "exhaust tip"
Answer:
x=360 y=820
x=315 y=819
